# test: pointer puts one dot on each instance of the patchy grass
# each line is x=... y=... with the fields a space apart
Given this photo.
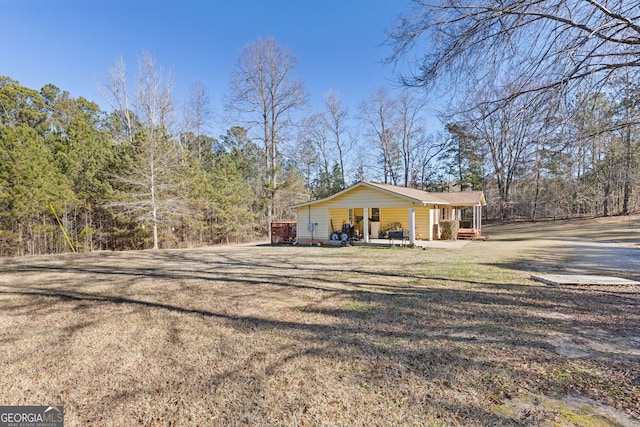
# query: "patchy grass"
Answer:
x=260 y=335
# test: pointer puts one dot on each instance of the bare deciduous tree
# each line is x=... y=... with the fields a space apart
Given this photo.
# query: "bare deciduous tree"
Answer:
x=379 y=112
x=197 y=115
x=264 y=92
x=428 y=160
x=314 y=136
x=409 y=130
x=509 y=133
x=626 y=89
x=395 y=124
x=543 y=44
x=337 y=115
x=114 y=92
x=154 y=104
x=149 y=188
x=324 y=143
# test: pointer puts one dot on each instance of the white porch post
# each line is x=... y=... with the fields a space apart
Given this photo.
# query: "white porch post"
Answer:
x=412 y=226
x=475 y=219
x=436 y=222
x=365 y=215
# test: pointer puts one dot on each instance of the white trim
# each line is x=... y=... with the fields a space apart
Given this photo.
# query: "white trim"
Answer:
x=412 y=226
x=365 y=215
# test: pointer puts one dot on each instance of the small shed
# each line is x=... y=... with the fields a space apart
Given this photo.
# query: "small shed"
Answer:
x=283 y=232
x=370 y=209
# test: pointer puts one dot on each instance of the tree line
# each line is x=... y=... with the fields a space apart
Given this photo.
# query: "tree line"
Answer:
x=148 y=173
x=115 y=187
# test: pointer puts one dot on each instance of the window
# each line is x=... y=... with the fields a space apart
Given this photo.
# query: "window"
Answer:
x=375 y=214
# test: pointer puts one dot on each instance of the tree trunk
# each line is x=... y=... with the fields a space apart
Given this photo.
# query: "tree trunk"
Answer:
x=605 y=203
x=627 y=172
x=154 y=208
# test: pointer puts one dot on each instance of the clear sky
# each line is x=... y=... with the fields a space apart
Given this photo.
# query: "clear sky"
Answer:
x=339 y=44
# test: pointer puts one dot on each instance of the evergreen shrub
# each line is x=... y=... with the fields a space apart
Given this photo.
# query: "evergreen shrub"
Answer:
x=449 y=229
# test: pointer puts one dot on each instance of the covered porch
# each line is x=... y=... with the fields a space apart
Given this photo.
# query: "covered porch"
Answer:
x=406 y=226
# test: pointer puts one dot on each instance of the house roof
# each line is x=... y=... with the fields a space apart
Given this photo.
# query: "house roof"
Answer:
x=466 y=198
x=414 y=195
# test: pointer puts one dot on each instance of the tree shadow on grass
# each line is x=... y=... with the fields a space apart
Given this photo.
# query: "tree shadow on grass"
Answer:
x=386 y=346
x=444 y=336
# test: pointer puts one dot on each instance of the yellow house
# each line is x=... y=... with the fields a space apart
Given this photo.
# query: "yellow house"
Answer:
x=371 y=208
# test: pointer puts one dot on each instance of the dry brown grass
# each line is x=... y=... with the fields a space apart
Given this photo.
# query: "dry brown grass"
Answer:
x=260 y=335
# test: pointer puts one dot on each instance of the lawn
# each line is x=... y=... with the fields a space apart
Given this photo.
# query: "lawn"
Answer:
x=307 y=335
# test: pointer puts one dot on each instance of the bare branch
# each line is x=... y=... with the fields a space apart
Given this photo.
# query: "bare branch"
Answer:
x=548 y=44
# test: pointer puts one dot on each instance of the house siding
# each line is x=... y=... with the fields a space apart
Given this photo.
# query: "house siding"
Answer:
x=320 y=217
x=337 y=217
x=364 y=197
x=316 y=215
x=423 y=224
x=390 y=216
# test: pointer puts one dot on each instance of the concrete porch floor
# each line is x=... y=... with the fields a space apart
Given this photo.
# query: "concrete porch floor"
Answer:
x=442 y=244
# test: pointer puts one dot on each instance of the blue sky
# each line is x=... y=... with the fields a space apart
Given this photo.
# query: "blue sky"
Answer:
x=73 y=43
